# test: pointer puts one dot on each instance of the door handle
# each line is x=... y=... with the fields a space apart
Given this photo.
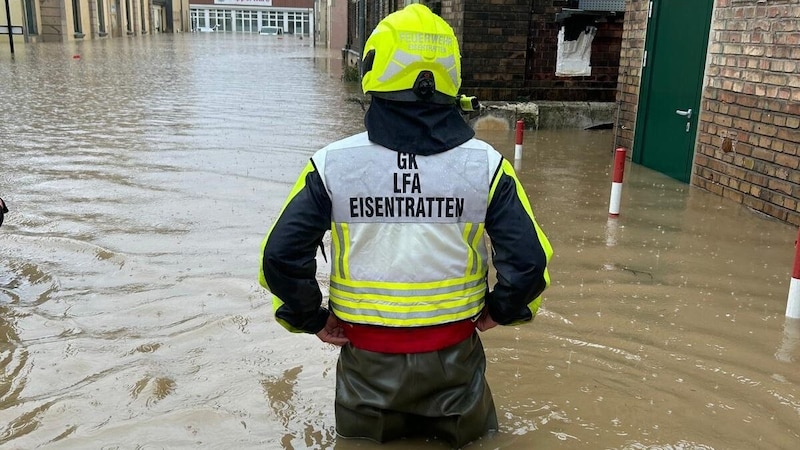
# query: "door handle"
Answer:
x=687 y=113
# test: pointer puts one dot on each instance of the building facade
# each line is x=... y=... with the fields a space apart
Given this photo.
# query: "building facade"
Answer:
x=331 y=23
x=741 y=139
x=67 y=20
x=514 y=49
x=294 y=17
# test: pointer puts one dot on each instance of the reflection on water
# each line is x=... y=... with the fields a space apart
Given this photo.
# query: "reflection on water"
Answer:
x=789 y=350
x=143 y=173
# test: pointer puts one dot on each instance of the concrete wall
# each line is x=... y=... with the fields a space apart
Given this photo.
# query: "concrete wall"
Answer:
x=545 y=115
x=748 y=145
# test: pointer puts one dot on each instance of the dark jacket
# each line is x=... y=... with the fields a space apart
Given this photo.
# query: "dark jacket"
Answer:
x=289 y=266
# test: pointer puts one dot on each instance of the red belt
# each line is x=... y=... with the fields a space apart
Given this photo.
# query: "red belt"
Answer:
x=408 y=339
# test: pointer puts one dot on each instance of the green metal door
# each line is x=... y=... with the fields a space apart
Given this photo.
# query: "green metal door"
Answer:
x=672 y=81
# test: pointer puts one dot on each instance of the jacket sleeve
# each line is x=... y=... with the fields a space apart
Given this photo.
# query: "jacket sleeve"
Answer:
x=520 y=251
x=288 y=255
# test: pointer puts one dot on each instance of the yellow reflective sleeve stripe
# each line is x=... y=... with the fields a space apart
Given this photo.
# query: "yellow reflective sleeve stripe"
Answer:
x=495 y=182
x=508 y=169
x=276 y=302
x=261 y=279
x=298 y=186
x=534 y=305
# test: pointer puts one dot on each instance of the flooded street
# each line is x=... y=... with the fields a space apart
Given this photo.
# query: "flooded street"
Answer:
x=142 y=174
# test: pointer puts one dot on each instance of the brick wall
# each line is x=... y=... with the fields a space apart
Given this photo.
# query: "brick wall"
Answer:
x=509 y=51
x=541 y=83
x=748 y=146
x=453 y=12
x=630 y=68
x=493 y=43
x=749 y=141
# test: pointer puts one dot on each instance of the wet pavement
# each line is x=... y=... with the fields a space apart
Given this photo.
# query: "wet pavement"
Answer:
x=142 y=174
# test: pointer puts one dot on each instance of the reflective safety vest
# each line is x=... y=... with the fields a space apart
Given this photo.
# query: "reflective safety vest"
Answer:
x=407 y=232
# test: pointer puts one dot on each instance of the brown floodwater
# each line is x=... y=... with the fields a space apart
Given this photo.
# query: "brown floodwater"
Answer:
x=143 y=173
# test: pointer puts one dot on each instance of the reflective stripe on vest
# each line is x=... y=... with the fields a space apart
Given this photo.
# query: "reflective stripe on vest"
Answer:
x=407 y=232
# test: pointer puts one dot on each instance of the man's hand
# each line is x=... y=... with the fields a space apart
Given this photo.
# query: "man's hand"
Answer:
x=485 y=321
x=333 y=333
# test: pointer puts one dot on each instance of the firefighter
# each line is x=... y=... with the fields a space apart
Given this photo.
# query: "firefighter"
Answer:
x=407 y=204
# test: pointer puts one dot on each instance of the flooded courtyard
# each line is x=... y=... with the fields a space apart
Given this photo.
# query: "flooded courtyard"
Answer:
x=142 y=174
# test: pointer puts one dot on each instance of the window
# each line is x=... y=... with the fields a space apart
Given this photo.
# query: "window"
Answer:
x=101 y=19
x=221 y=19
x=247 y=21
x=142 y=9
x=298 y=22
x=30 y=16
x=129 y=25
x=76 y=18
x=270 y=19
x=197 y=17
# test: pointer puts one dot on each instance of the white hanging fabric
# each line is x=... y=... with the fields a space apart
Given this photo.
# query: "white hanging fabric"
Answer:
x=573 y=59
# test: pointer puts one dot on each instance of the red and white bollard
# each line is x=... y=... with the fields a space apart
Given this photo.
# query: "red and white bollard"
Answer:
x=793 y=304
x=616 y=182
x=518 y=144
